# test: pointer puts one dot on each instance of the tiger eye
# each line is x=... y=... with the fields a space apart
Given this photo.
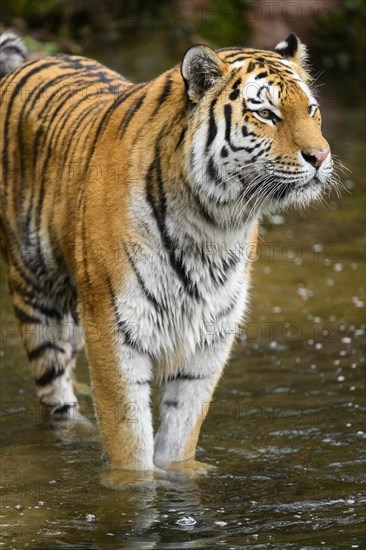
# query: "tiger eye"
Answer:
x=264 y=113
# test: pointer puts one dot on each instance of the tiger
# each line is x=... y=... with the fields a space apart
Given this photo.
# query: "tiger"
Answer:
x=121 y=208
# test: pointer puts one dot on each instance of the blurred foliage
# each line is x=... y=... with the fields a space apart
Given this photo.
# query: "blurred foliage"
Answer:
x=340 y=37
x=339 y=47
x=88 y=26
x=78 y=24
x=225 y=22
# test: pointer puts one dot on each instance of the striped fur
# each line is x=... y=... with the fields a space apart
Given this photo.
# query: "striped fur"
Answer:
x=129 y=209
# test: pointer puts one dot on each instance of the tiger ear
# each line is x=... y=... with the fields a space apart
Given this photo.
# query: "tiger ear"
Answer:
x=201 y=67
x=292 y=48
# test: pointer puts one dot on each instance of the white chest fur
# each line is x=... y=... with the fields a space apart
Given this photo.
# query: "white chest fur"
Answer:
x=174 y=302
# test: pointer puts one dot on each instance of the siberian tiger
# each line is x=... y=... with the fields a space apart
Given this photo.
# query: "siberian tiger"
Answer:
x=121 y=208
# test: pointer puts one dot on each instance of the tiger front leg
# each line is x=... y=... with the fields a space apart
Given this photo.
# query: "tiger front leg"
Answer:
x=120 y=376
x=184 y=405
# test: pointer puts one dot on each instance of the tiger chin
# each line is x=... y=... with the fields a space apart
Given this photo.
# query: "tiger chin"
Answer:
x=121 y=208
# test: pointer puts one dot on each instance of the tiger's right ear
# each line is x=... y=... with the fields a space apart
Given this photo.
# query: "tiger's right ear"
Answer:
x=201 y=67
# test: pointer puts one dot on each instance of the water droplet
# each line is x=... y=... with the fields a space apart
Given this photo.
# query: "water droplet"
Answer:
x=186 y=521
x=277 y=220
x=358 y=303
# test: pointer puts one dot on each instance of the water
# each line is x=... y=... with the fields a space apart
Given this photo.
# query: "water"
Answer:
x=283 y=449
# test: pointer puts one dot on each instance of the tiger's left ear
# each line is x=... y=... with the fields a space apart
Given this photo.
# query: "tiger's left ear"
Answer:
x=201 y=67
x=294 y=50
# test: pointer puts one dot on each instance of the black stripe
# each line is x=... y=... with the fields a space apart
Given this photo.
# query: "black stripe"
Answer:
x=37 y=143
x=212 y=127
x=141 y=282
x=170 y=403
x=25 y=318
x=7 y=141
x=154 y=185
x=263 y=74
x=10 y=39
x=228 y=309
x=251 y=149
x=234 y=95
x=19 y=267
x=50 y=375
x=12 y=49
x=251 y=67
x=213 y=172
x=129 y=339
x=61 y=411
x=246 y=133
x=30 y=299
x=165 y=93
x=55 y=135
x=181 y=138
x=83 y=117
x=184 y=376
x=203 y=210
x=227 y=114
x=230 y=55
x=122 y=325
x=40 y=350
x=116 y=103
x=260 y=153
x=131 y=111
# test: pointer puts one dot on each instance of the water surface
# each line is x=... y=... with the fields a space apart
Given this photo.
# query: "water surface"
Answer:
x=285 y=435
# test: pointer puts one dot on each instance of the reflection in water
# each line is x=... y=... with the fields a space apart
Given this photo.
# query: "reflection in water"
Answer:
x=285 y=435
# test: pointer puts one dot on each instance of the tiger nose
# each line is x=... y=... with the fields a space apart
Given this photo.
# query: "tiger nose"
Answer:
x=315 y=157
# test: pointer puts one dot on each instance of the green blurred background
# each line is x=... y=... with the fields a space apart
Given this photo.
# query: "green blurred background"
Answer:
x=146 y=37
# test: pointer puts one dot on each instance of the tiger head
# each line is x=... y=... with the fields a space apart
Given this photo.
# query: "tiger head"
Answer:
x=255 y=127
